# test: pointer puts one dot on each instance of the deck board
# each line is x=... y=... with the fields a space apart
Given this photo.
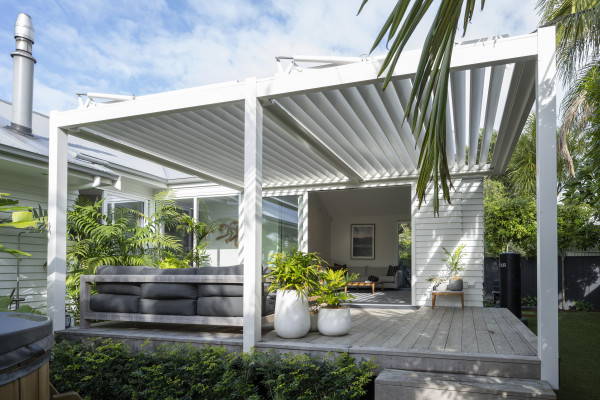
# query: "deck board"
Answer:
x=448 y=339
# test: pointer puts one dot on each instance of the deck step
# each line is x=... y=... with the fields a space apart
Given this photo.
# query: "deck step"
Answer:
x=394 y=384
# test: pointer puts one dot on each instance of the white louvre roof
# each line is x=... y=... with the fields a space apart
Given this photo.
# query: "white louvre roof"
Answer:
x=327 y=126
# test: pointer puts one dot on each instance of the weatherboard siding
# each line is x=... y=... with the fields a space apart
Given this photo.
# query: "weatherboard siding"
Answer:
x=30 y=192
x=459 y=222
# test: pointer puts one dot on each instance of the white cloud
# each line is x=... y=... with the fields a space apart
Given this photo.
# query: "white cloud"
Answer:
x=152 y=46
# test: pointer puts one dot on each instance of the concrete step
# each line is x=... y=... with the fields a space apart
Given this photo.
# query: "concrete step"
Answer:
x=392 y=384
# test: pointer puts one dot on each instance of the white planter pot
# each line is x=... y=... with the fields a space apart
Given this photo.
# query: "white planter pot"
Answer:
x=292 y=319
x=334 y=321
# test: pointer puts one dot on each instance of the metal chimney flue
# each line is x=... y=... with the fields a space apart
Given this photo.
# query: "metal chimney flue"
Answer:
x=23 y=61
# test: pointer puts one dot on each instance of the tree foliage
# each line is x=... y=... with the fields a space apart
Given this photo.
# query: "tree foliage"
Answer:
x=510 y=221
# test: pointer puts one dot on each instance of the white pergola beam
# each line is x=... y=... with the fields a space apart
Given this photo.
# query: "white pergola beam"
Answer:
x=252 y=216
x=57 y=224
x=284 y=119
x=491 y=109
x=474 y=55
x=476 y=99
x=520 y=98
x=459 y=104
x=156 y=104
x=547 y=254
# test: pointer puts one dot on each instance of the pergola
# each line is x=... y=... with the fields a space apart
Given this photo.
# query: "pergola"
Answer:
x=330 y=127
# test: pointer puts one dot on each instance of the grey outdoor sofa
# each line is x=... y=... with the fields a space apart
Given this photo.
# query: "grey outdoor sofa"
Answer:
x=205 y=295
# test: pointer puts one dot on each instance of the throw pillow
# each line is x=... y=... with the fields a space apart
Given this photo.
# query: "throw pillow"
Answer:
x=392 y=269
x=337 y=267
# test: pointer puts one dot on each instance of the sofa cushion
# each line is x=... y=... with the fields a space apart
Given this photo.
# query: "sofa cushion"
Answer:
x=166 y=291
x=170 y=271
x=378 y=271
x=114 y=303
x=231 y=306
x=231 y=270
x=123 y=269
x=226 y=290
x=168 y=307
x=132 y=289
x=387 y=279
x=119 y=288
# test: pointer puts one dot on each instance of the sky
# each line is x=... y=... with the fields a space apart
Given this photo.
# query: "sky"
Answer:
x=149 y=46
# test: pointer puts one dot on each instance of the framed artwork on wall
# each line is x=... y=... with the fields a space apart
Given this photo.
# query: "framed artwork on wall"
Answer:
x=362 y=241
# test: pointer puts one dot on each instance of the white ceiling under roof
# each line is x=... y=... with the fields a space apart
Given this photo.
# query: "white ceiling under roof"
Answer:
x=327 y=126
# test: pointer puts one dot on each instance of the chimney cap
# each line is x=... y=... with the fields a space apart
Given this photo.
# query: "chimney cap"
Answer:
x=24 y=27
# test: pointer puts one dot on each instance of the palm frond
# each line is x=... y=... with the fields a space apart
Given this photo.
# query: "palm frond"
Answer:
x=430 y=88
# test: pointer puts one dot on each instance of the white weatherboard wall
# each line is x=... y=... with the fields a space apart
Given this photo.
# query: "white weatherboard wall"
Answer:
x=459 y=222
x=319 y=228
x=386 y=240
x=31 y=190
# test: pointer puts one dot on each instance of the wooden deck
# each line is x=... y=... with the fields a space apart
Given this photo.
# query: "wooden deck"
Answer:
x=476 y=341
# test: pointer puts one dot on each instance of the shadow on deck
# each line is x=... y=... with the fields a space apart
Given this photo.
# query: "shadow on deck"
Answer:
x=474 y=341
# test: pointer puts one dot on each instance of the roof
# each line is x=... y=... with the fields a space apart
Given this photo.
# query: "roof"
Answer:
x=327 y=126
x=81 y=152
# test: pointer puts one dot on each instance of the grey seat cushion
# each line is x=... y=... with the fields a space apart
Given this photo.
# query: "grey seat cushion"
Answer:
x=231 y=270
x=119 y=288
x=115 y=303
x=168 y=307
x=165 y=291
x=221 y=306
x=231 y=306
x=224 y=290
x=132 y=289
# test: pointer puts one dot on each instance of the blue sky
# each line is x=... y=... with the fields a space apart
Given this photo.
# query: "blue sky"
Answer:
x=150 y=46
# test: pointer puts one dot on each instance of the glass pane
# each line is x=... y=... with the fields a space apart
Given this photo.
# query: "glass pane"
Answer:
x=279 y=232
x=221 y=212
x=119 y=210
x=187 y=240
x=280 y=225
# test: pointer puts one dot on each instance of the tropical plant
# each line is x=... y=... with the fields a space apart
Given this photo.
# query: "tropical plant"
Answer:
x=21 y=217
x=454 y=260
x=199 y=231
x=5 y=303
x=297 y=271
x=583 y=305
x=404 y=241
x=331 y=289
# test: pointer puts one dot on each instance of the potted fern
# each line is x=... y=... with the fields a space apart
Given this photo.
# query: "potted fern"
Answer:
x=334 y=317
x=455 y=265
x=293 y=276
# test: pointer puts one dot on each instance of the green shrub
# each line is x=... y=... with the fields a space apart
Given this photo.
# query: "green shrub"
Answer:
x=529 y=301
x=583 y=305
x=108 y=370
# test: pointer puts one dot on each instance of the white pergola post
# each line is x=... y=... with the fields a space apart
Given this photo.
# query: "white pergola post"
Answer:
x=57 y=224
x=252 y=214
x=547 y=256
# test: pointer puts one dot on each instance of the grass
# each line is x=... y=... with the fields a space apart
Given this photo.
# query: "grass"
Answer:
x=579 y=352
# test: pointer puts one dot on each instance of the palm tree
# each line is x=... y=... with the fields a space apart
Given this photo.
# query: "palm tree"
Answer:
x=577 y=27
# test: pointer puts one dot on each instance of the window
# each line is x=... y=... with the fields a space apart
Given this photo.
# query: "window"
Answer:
x=279 y=233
